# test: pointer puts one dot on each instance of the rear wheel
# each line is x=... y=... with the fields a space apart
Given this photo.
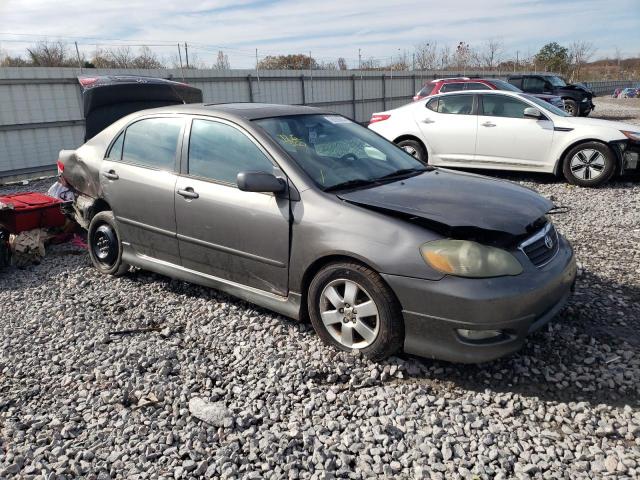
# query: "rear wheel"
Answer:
x=351 y=308
x=105 y=247
x=589 y=164
x=415 y=149
x=571 y=107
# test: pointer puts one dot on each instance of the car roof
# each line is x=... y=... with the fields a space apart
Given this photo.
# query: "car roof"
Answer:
x=246 y=111
x=484 y=92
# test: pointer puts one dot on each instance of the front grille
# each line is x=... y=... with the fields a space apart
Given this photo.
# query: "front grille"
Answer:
x=543 y=246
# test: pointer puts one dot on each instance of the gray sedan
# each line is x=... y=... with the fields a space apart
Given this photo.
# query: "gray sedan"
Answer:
x=309 y=214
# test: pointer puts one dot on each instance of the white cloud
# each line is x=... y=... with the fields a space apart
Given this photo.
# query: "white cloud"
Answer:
x=328 y=28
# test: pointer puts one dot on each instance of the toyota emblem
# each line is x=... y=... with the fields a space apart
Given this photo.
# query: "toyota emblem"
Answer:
x=548 y=241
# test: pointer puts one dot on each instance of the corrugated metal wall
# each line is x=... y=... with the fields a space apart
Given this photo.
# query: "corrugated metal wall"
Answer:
x=41 y=108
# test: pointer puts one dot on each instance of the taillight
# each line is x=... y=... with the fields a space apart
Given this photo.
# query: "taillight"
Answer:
x=87 y=81
x=60 y=167
x=417 y=97
x=378 y=118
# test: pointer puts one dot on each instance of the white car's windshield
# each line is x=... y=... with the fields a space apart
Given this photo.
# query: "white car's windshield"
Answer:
x=547 y=106
x=557 y=81
x=338 y=153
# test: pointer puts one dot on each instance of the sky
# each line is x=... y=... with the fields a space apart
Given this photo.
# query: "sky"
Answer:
x=382 y=29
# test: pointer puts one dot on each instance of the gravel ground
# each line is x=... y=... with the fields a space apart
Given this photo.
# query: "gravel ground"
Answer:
x=112 y=378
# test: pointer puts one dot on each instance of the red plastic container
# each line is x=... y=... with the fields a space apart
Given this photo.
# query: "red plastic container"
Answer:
x=26 y=211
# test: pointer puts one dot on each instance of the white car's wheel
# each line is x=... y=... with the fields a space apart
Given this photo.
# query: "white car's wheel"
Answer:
x=415 y=149
x=589 y=164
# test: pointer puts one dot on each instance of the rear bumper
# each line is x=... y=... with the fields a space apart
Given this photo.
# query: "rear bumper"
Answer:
x=434 y=311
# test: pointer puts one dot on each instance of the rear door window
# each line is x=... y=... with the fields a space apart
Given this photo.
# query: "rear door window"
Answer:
x=476 y=86
x=153 y=142
x=456 y=104
x=533 y=85
x=218 y=151
x=452 y=87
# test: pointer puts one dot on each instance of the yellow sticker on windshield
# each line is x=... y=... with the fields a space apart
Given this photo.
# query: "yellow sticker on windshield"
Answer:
x=292 y=140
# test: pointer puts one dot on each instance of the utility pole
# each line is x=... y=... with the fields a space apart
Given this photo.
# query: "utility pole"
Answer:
x=78 y=54
x=180 y=58
x=413 y=62
x=359 y=59
x=186 y=54
x=517 y=60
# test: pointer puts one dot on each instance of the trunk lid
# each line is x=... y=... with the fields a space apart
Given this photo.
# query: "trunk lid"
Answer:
x=109 y=98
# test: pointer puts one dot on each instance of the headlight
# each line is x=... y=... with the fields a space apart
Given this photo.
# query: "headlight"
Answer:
x=464 y=258
x=584 y=99
x=635 y=136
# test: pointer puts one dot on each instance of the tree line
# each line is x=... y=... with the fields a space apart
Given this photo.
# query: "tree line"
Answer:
x=568 y=60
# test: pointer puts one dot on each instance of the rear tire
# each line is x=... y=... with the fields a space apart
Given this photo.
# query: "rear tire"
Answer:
x=105 y=247
x=415 y=149
x=352 y=308
x=571 y=107
x=589 y=164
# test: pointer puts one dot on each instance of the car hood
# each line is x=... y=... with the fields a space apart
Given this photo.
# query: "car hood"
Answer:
x=573 y=122
x=457 y=202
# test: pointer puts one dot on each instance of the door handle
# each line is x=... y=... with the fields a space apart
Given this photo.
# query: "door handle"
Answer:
x=188 y=193
x=428 y=120
x=111 y=175
x=488 y=124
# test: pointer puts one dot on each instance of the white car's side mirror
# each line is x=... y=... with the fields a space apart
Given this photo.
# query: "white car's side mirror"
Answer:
x=532 y=112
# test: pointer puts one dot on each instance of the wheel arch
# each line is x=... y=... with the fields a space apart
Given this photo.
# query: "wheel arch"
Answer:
x=557 y=170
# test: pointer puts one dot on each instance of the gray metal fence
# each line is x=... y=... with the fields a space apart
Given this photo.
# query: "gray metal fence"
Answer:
x=41 y=108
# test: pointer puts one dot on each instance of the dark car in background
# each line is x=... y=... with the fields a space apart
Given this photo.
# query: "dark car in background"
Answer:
x=578 y=98
x=306 y=213
x=445 y=85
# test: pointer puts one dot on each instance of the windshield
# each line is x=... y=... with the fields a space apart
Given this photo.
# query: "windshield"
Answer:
x=556 y=81
x=502 y=85
x=547 y=106
x=338 y=153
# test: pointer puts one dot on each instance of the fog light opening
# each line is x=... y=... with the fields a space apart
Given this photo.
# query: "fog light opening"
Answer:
x=479 y=335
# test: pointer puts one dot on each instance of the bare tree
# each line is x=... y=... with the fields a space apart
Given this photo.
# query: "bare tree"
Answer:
x=445 y=57
x=342 y=64
x=370 y=64
x=222 y=62
x=50 y=54
x=147 y=59
x=462 y=55
x=426 y=55
x=580 y=52
x=491 y=54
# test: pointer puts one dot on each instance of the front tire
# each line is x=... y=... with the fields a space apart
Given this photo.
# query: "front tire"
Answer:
x=415 y=149
x=105 y=247
x=352 y=309
x=571 y=107
x=589 y=164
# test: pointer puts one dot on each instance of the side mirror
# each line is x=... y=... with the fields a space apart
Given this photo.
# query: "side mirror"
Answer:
x=262 y=182
x=532 y=112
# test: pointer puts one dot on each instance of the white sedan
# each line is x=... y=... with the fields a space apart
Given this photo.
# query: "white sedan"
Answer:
x=511 y=131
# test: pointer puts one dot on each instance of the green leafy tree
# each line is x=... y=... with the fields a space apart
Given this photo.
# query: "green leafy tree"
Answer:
x=554 y=57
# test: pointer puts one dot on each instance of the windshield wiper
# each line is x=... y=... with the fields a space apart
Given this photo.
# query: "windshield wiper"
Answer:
x=404 y=172
x=358 y=182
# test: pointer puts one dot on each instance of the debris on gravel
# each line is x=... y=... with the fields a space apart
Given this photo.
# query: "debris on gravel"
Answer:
x=212 y=387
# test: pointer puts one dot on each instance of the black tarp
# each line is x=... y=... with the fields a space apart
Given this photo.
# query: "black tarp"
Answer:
x=109 y=98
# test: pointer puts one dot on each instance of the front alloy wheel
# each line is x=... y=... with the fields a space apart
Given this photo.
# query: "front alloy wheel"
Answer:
x=589 y=164
x=349 y=314
x=353 y=309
